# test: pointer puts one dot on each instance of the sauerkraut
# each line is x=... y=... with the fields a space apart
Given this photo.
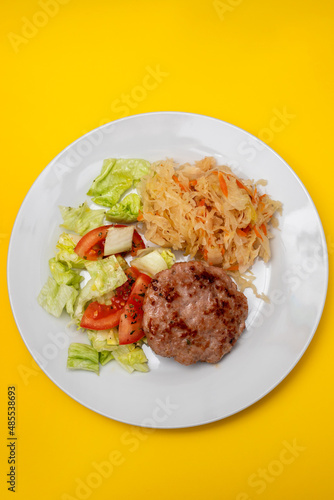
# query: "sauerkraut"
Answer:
x=208 y=212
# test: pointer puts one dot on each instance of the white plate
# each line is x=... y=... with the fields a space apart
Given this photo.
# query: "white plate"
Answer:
x=277 y=335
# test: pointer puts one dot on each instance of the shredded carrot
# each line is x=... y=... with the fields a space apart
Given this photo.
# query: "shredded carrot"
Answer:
x=140 y=216
x=263 y=229
x=175 y=179
x=202 y=202
x=257 y=233
x=233 y=268
x=222 y=250
x=223 y=185
x=241 y=232
x=241 y=185
x=193 y=183
x=205 y=254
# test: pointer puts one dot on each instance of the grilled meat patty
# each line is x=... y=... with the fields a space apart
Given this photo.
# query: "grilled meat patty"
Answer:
x=193 y=312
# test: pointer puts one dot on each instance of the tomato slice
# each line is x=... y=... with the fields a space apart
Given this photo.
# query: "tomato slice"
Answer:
x=130 y=330
x=131 y=320
x=100 y=317
x=132 y=274
x=91 y=245
x=137 y=243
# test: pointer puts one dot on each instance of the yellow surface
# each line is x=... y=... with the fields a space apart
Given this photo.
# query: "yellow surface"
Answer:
x=66 y=72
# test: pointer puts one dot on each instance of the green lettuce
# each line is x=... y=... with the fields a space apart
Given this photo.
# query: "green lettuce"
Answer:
x=63 y=275
x=117 y=175
x=107 y=274
x=81 y=219
x=104 y=340
x=54 y=297
x=127 y=210
x=66 y=244
x=83 y=357
x=168 y=257
x=105 y=357
x=131 y=357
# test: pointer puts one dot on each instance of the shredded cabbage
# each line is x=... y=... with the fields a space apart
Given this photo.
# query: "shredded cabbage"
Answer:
x=208 y=212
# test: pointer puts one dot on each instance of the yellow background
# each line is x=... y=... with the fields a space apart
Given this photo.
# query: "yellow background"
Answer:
x=237 y=60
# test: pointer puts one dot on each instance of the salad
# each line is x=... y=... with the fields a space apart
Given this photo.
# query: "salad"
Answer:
x=101 y=270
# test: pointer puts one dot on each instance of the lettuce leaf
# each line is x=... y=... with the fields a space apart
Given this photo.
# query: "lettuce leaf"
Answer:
x=81 y=219
x=131 y=357
x=105 y=357
x=137 y=168
x=66 y=244
x=53 y=297
x=117 y=175
x=107 y=274
x=63 y=275
x=104 y=340
x=83 y=357
x=127 y=210
x=168 y=257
